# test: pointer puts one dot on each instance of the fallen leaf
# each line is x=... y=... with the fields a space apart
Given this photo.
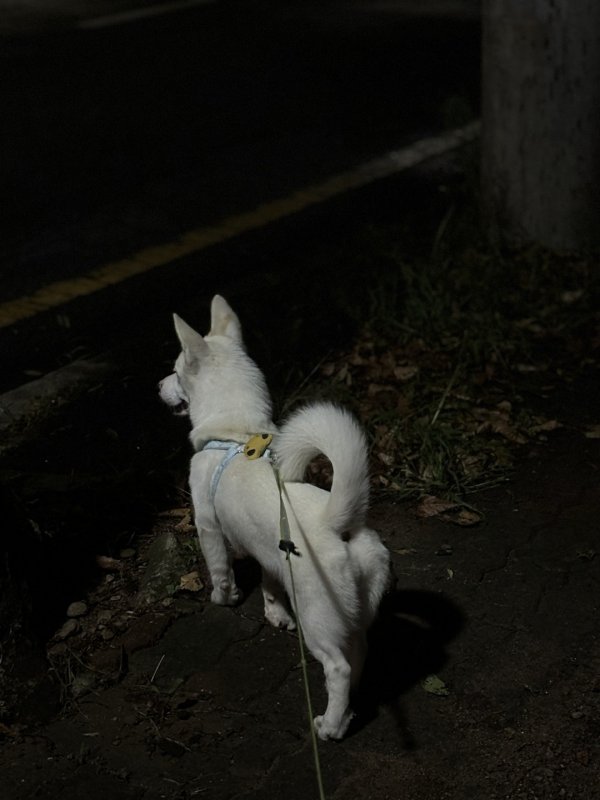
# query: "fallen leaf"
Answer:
x=77 y=609
x=405 y=373
x=386 y=458
x=530 y=324
x=70 y=627
x=466 y=518
x=526 y=368
x=593 y=432
x=463 y=517
x=191 y=582
x=572 y=296
x=544 y=427
x=498 y=422
x=108 y=563
x=343 y=375
x=471 y=464
x=174 y=512
x=447 y=511
x=357 y=360
x=185 y=524
x=431 y=506
x=434 y=685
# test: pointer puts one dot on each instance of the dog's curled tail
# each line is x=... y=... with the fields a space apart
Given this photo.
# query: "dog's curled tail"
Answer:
x=328 y=429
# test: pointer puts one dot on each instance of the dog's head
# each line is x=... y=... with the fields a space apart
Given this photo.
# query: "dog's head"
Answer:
x=173 y=394
x=212 y=372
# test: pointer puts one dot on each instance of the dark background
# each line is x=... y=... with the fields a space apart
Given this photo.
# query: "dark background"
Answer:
x=119 y=137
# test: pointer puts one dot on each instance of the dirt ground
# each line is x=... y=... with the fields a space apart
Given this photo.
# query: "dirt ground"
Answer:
x=483 y=678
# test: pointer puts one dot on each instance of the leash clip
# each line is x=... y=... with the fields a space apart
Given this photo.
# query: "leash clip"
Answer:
x=288 y=547
x=257 y=445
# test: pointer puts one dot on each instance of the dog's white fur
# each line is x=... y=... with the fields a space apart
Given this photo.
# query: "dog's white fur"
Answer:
x=343 y=568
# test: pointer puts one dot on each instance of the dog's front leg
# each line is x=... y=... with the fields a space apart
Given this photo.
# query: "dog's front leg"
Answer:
x=212 y=543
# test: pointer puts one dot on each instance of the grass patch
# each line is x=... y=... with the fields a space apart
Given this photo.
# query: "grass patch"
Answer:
x=458 y=345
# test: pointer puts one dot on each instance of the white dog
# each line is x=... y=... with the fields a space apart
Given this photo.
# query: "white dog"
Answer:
x=341 y=568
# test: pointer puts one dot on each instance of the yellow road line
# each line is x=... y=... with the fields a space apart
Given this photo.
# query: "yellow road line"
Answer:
x=135 y=14
x=60 y=292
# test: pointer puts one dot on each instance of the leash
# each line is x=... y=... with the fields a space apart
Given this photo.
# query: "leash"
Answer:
x=258 y=447
x=289 y=548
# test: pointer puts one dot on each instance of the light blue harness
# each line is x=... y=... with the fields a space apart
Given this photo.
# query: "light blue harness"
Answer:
x=232 y=449
x=256 y=447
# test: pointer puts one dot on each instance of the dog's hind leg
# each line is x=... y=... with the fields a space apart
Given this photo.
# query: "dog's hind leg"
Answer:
x=276 y=611
x=333 y=724
x=225 y=592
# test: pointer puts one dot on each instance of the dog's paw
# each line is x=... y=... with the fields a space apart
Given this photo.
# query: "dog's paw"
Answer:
x=278 y=617
x=326 y=730
x=226 y=595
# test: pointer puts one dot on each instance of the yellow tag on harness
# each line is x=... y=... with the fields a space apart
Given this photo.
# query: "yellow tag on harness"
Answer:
x=256 y=445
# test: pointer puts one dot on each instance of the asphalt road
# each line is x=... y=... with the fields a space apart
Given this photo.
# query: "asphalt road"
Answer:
x=119 y=137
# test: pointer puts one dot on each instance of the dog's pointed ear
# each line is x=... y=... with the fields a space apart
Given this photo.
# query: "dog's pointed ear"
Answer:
x=223 y=319
x=193 y=345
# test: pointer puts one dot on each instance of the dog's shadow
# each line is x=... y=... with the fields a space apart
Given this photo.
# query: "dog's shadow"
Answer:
x=407 y=643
